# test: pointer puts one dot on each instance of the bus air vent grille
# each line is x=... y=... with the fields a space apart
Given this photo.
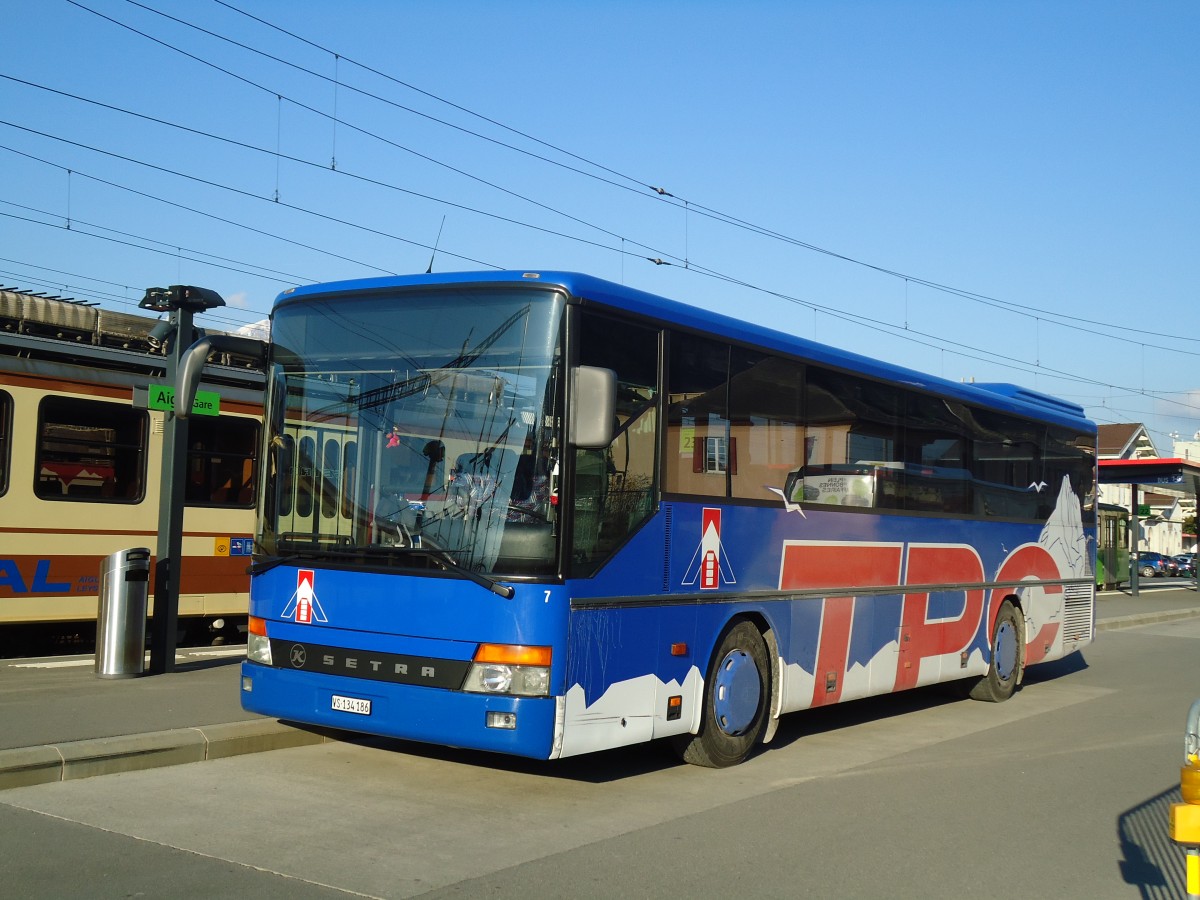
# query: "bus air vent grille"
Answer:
x=667 y=547
x=1078 y=617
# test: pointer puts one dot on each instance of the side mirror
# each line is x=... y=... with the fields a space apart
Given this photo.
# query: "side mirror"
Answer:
x=593 y=407
x=191 y=364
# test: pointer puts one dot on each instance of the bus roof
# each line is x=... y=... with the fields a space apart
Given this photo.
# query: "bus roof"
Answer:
x=1007 y=397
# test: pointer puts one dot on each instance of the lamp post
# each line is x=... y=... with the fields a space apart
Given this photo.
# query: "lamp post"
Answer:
x=181 y=303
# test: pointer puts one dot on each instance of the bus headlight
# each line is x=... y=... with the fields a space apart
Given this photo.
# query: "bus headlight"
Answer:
x=512 y=669
x=258 y=647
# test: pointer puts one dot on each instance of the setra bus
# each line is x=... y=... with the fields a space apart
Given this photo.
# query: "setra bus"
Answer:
x=543 y=514
x=80 y=471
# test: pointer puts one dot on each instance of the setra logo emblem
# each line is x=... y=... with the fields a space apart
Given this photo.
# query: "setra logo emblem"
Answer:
x=303 y=605
x=298 y=656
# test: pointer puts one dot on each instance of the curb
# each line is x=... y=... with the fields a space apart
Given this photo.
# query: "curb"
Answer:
x=1147 y=618
x=26 y=766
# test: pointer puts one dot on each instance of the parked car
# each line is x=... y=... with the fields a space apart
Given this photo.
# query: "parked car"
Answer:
x=1186 y=563
x=1153 y=565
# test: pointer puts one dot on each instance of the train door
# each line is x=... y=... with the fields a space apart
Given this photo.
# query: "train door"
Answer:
x=318 y=469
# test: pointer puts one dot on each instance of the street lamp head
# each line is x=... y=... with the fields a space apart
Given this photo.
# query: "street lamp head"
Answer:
x=157 y=300
x=180 y=296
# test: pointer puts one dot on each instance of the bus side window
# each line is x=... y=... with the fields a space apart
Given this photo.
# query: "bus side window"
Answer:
x=616 y=487
x=698 y=436
x=766 y=424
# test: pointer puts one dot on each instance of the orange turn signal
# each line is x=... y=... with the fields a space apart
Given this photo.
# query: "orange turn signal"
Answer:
x=513 y=654
x=257 y=626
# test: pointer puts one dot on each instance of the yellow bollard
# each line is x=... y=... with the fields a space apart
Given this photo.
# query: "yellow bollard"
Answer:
x=1184 y=822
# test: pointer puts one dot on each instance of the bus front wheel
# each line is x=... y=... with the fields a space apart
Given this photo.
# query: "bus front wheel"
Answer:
x=737 y=692
x=1008 y=653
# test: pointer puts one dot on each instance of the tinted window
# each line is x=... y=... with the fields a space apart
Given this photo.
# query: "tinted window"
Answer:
x=697 y=456
x=90 y=450
x=615 y=488
x=222 y=461
x=766 y=431
x=5 y=439
x=853 y=442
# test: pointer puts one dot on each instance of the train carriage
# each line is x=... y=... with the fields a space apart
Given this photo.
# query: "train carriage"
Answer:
x=81 y=476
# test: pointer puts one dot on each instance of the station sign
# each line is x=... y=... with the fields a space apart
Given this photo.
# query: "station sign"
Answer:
x=162 y=396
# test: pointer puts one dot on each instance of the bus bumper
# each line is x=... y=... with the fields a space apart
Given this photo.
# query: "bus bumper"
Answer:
x=407 y=712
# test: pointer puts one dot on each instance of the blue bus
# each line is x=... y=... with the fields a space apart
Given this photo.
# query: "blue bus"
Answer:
x=543 y=514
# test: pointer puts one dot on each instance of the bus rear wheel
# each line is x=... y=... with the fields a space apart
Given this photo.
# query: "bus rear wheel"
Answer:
x=736 y=700
x=1008 y=657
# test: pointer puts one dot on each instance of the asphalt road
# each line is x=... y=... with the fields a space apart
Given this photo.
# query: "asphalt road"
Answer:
x=1061 y=791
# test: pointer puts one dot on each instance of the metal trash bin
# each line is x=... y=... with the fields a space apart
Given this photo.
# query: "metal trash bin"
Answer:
x=121 y=619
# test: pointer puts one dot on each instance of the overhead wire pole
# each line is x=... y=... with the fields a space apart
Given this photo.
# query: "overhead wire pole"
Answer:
x=181 y=303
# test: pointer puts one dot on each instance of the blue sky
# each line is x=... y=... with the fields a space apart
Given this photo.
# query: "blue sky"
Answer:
x=989 y=191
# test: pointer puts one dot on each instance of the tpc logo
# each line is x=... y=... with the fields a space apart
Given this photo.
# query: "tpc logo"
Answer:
x=303 y=605
x=709 y=565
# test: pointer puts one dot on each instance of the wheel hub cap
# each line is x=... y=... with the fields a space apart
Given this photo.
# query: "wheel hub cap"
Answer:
x=737 y=692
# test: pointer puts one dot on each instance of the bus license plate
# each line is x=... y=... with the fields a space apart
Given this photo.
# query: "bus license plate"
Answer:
x=352 y=705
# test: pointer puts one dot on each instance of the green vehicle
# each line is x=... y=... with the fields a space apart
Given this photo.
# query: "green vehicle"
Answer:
x=1112 y=552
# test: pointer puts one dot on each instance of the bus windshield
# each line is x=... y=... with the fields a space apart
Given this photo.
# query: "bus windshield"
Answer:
x=415 y=429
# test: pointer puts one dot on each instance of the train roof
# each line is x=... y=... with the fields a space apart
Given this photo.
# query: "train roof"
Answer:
x=587 y=288
x=36 y=327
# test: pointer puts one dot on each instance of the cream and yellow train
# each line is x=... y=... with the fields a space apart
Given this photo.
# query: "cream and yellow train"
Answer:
x=80 y=469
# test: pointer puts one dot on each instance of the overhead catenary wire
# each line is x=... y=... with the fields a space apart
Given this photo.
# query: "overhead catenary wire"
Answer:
x=641 y=184
x=363 y=131
x=746 y=284
x=874 y=324
x=279 y=156
x=244 y=193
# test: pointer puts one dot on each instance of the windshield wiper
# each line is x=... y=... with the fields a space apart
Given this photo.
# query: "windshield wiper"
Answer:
x=270 y=562
x=441 y=558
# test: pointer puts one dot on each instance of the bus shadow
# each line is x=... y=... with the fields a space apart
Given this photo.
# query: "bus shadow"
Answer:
x=1058 y=668
x=821 y=720
x=1151 y=861
x=642 y=759
x=596 y=768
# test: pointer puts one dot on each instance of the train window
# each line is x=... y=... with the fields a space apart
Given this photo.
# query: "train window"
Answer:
x=5 y=438
x=349 y=471
x=90 y=450
x=331 y=470
x=283 y=484
x=222 y=461
x=306 y=477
